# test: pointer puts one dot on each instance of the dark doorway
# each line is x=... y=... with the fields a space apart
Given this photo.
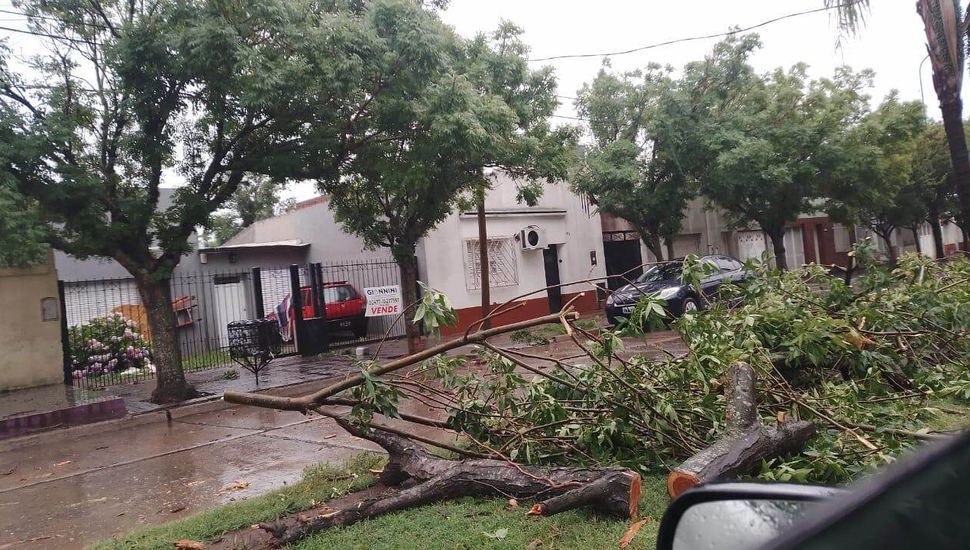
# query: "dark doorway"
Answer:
x=550 y=259
x=622 y=257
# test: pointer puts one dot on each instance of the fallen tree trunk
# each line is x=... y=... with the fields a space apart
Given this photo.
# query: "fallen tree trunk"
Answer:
x=745 y=443
x=427 y=478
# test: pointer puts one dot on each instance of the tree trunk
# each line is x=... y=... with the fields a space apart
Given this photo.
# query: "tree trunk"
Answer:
x=409 y=284
x=483 y=259
x=670 y=248
x=746 y=441
x=777 y=237
x=171 y=386
x=951 y=108
x=919 y=246
x=427 y=478
x=653 y=244
x=890 y=251
x=934 y=222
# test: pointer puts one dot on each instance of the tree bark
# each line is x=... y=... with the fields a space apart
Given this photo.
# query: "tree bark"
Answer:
x=745 y=442
x=483 y=259
x=951 y=107
x=428 y=478
x=670 y=248
x=171 y=385
x=777 y=237
x=409 y=284
x=653 y=244
x=919 y=246
x=890 y=251
x=934 y=222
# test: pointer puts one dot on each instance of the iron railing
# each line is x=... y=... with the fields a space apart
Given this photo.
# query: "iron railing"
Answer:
x=108 y=339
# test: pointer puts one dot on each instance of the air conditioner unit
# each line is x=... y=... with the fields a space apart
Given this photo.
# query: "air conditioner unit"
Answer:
x=533 y=237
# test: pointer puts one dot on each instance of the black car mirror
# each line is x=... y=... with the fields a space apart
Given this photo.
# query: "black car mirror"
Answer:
x=735 y=516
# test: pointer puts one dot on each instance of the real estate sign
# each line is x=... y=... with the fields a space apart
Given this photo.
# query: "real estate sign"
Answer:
x=383 y=300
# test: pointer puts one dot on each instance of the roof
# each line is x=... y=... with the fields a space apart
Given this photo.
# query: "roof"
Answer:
x=310 y=202
x=292 y=243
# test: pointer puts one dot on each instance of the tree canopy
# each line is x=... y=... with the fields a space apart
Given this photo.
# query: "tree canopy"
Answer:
x=770 y=140
x=465 y=106
x=636 y=168
x=130 y=96
x=874 y=186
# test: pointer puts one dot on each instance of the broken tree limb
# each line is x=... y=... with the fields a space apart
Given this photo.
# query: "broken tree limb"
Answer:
x=428 y=478
x=307 y=402
x=746 y=441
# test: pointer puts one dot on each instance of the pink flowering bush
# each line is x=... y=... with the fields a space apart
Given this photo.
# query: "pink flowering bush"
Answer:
x=107 y=345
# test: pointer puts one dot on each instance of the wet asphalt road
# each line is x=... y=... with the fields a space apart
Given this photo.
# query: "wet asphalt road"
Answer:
x=64 y=491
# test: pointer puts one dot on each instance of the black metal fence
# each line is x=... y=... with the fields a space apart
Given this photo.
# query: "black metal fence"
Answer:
x=108 y=340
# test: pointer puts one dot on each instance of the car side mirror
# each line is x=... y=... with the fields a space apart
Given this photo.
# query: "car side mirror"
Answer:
x=736 y=516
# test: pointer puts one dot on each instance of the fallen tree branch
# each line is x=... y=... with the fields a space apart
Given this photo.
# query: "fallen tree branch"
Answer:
x=307 y=402
x=745 y=443
x=427 y=478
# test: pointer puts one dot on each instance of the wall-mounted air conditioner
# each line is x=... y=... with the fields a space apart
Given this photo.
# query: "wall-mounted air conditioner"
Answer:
x=533 y=237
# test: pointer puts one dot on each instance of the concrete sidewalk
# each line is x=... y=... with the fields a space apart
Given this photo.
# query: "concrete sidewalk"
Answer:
x=49 y=407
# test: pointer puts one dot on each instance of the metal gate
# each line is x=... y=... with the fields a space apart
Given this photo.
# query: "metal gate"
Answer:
x=108 y=340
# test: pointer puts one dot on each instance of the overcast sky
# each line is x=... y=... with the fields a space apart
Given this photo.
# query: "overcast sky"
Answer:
x=892 y=43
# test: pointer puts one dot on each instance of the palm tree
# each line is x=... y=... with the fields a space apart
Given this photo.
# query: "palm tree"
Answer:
x=945 y=41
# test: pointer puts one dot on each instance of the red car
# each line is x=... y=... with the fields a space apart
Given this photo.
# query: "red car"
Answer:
x=344 y=304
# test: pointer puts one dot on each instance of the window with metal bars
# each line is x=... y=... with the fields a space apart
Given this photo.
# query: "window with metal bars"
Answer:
x=502 y=264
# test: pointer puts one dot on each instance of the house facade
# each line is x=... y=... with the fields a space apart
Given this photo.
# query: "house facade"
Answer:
x=812 y=238
x=570 y=248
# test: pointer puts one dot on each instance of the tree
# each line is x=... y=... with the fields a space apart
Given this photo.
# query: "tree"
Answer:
x=128 y=92
x=874 y=184
x=931 y=176
x=946 y=31
x=465 y=106
x=255 y=199
x=771 y=139
x=635 y=169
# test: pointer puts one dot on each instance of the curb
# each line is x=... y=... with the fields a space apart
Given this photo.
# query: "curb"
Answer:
x=199 y=405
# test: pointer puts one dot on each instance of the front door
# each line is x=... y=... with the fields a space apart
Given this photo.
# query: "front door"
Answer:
x=622 y=258
x=550 y=259
x=230 y=305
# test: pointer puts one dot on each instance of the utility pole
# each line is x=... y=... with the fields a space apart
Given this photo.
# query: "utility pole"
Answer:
x=483 y=257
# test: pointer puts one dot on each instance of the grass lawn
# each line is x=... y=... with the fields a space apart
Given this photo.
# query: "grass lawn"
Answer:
x=207 y=360
x=465 y=523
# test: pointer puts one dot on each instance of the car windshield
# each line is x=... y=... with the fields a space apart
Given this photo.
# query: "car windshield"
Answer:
x=661 y=272
x=341 y=293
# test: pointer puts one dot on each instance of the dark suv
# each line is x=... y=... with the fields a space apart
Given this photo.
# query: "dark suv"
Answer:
x=665 y=281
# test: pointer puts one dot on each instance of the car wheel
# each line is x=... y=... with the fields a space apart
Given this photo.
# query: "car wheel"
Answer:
x=690 y=306
x=359 y=328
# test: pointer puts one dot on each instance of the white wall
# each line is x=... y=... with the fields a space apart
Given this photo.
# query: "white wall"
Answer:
x=575 y=231
x=314 y=224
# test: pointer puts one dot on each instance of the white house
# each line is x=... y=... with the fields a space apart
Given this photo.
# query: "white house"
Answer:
x=570 y=248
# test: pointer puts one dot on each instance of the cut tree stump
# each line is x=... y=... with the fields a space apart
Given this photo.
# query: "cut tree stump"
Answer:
x=745 y=443
x=426 y=478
